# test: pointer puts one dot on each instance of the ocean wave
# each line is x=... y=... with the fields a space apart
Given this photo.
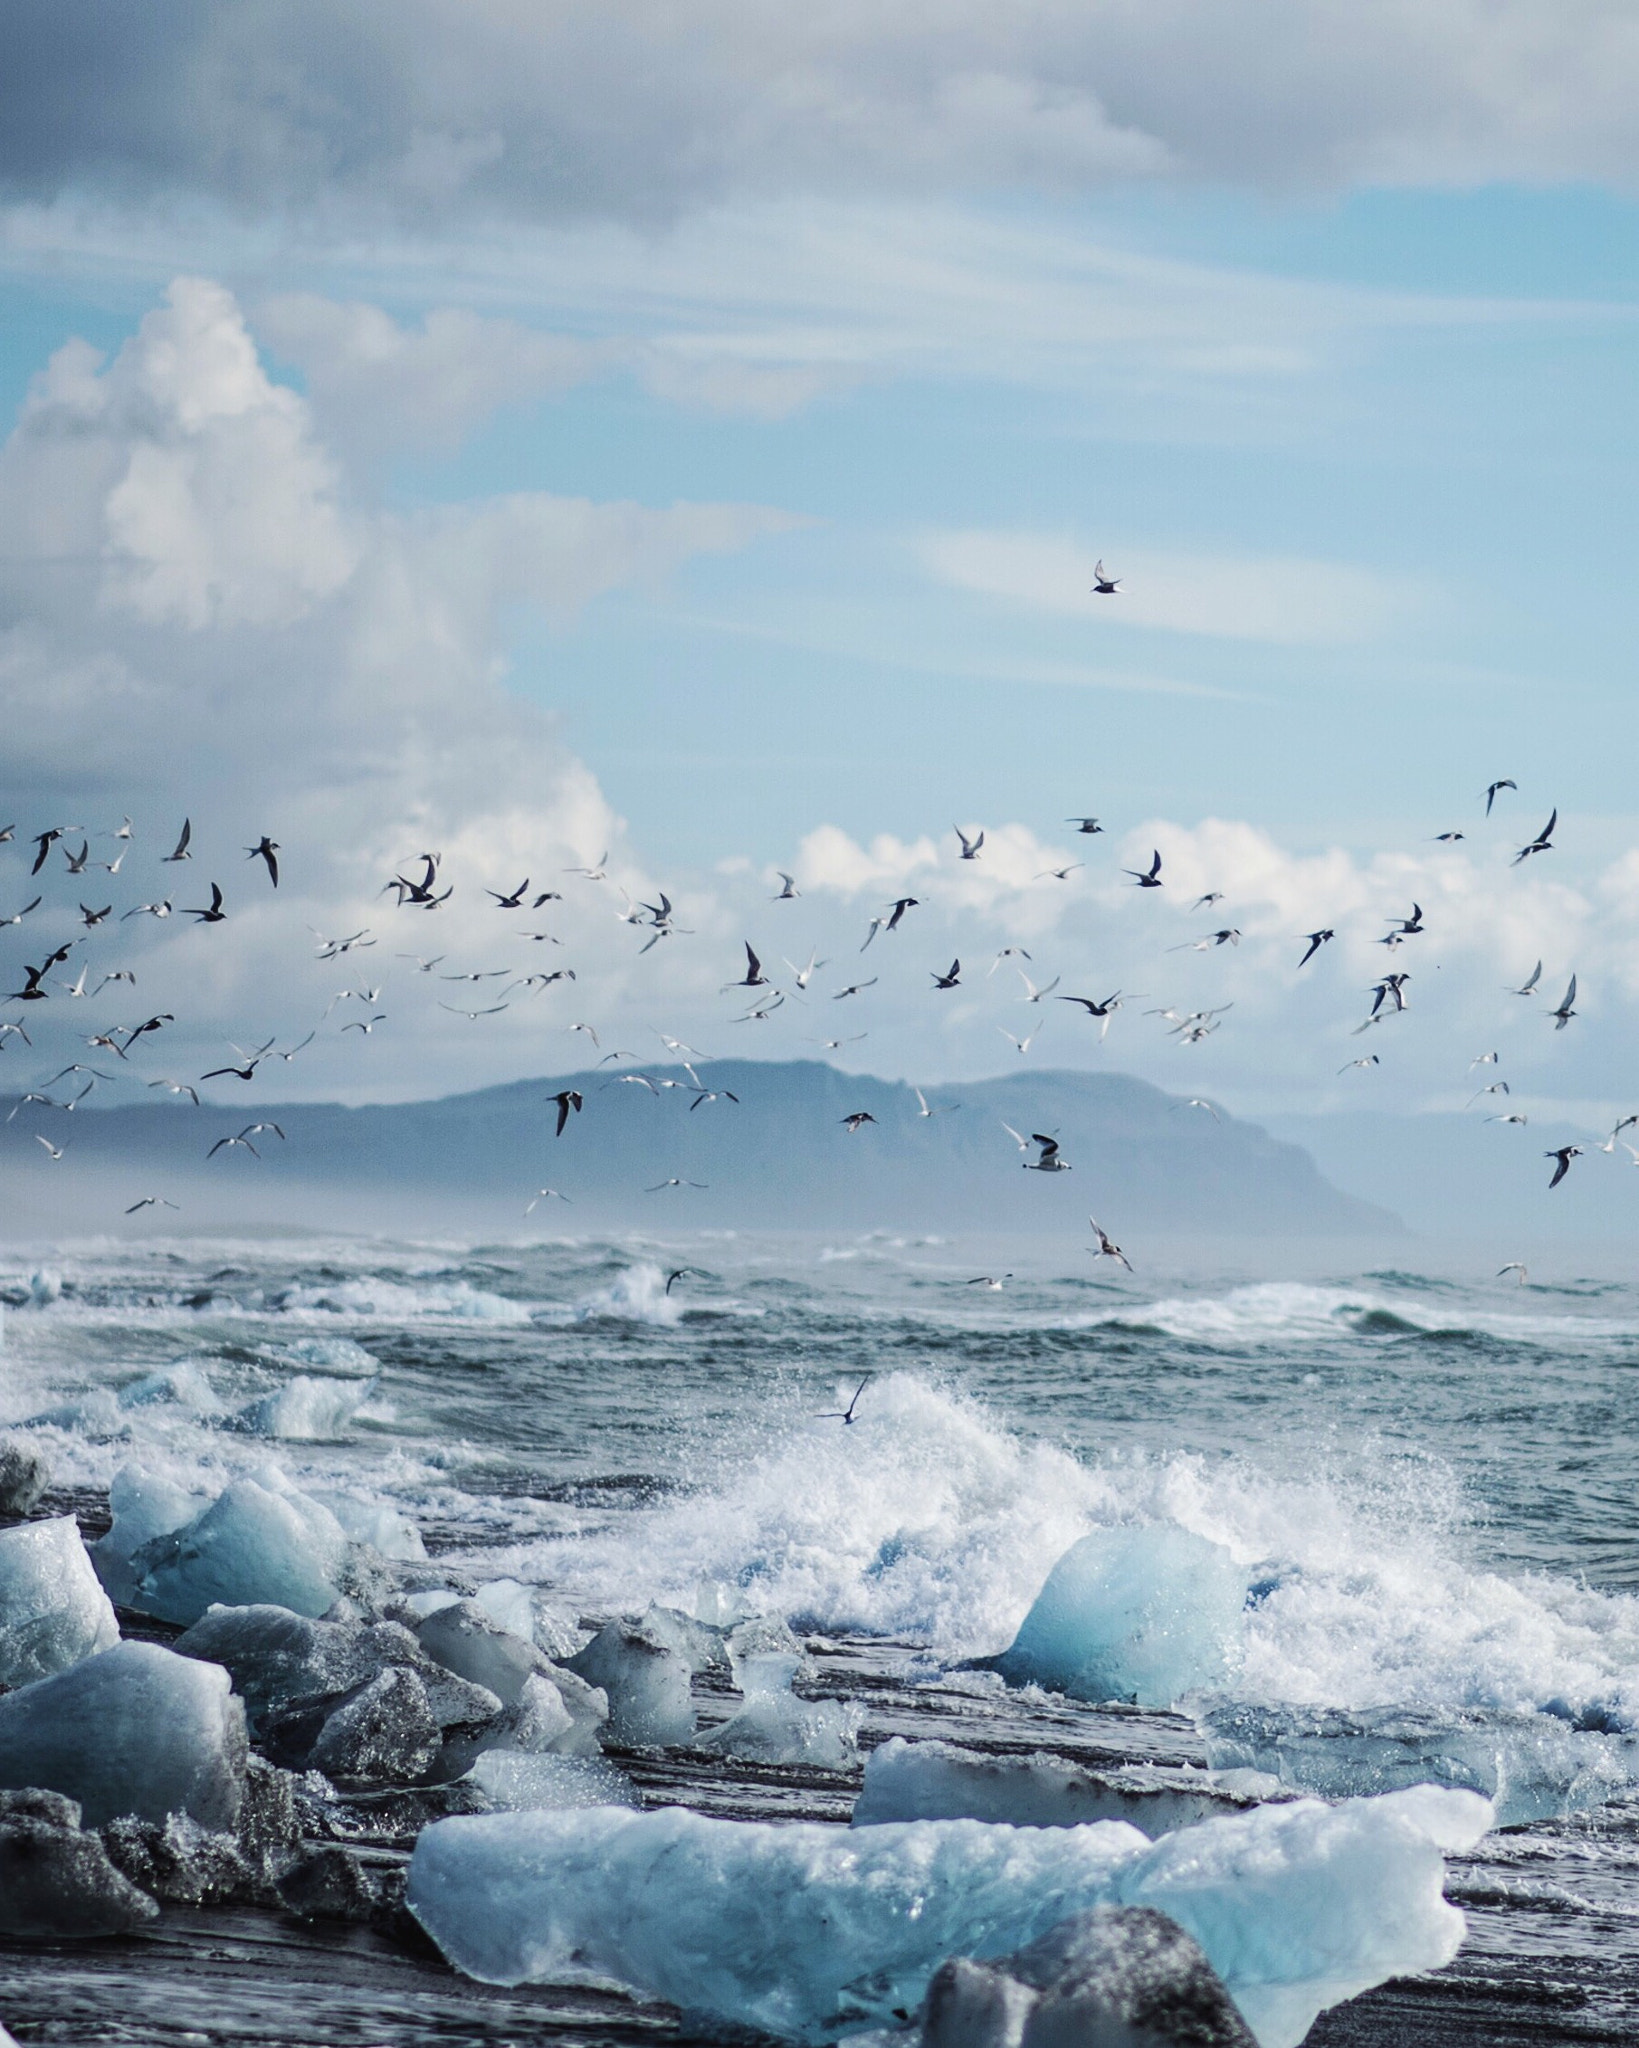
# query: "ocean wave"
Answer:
x=366 y=1299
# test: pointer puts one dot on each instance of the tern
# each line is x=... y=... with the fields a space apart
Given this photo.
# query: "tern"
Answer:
x=56 y=1151
x=1562 y=1155
x=180 y=850
x=1483 y=1059
x=1032 y=994
x=1105 y=586
x=1316 y=941
x=1529 y=986
x=970 y=847
x=17 y=916
x=677 y=1273
x=1023 y=1044
x=544 y=1195
x=1609 y=1145
x=991 y=1282
x=513 y=902
x=951 y=978
x=1513 y=1265
x=753 y=977
x=178 y=1088
x=675 y=1182
x=897 y=909
x=1490 y=798
x=1514 y=1116
x=923 y=1106
x=856 y=1118
x=1107 y=1247
x=1206 y=902
x=215 y=914
x=789 y=891
x=1059 y=874
x=150 y=1202
x=568 y=1100
x=1563 y=1015
x=1103 y=1011
x=1496 y=1088
x=1543 y=842
x=846 y=1415
x=804 y=975
x=856 y=988
x=1088 y=825
x=1047 y=1159
x=597 y=872
x=1150 y=877
x=267 y=851
x=1371 y=1060
x=1006 y=953
x=368 y=1024
x=1200 y=1102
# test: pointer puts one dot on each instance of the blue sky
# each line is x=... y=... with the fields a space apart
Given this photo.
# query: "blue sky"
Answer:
x=731 y=498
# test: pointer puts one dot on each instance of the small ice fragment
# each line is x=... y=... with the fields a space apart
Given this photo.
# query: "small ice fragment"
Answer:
x=252 y=1544
x=24 y=1476
x=136 y=1729
x=56 y=1882
x=53 y=1611
x=515 y=1782
x=1296 y=1906
x=305 y=1409
x=384 y=1733
x=338 y=1356
x=775 y=1726
x=650 y=1697
x=1146 y=1614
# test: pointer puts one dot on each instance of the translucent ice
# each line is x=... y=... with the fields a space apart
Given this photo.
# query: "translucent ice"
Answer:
x=939 y=1781
x=1146 y=1614
x=807 y=1930
x=384 y=1732
x=375 y=1523
x=775 y=1726
x=136 y=1729
x=305 y=1409
x=53 y=1612
x=339 y=1356
x=144 y=1505
x=647 y=1683
x=514 y=1782
x=254 y=1543
x=56 y=1880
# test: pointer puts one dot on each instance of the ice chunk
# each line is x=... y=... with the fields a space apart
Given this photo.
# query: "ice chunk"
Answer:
x=56 y=1882
x=340 y=1357
x=650 y=1698
x=939 y=1781
x=383 y=1733
x=53 y=1611
x=703 y=1647
x=972 y=2005
x=510 y=1604
x=305 y=1409
x=279 y=1659
x=1146 y=1614
x=806 y=1930
x=255 y=1543
x=513 y=1781
x=1532 y=1766
x=136 y=1729
x=183 y=1384
x=382 y=1527
x=180 y=1862
x=144 y=1505
x=24 y=1476
x=775 y=1726
x=461 y=1636
x=1124 y=1973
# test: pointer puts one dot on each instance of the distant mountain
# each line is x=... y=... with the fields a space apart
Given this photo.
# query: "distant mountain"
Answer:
x=780 y=1158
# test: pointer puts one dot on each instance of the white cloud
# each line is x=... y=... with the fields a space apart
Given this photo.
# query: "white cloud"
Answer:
x=1278 y=599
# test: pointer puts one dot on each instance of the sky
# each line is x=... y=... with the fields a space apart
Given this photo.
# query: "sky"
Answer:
x=532 y=434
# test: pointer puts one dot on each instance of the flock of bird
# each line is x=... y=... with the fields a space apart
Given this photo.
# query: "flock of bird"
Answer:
x=419 y=889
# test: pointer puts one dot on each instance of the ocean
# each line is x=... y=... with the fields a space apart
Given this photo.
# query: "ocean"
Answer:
x=1425 y=1472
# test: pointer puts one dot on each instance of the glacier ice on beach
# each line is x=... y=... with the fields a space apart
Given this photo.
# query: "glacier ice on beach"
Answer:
x=1145 y=1614
x=941 y=1781
x=807 y=1930
x=774 y=1725
x=144 y=1505
x=374 y=1522
x=340 y=1357
x=647 y=1683
x=53 y=1611
x=514 y=1782
x=135 y=1729
x=258 y=1541
x=306 y=1409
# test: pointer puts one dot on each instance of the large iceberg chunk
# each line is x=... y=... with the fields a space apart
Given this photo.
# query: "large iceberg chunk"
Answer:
x=1146 y=1614
x=807 y=1931
x=254 y=1543
x=939 y=1781
x=53 y=1612
x=144 y=1505
x=137 y=1729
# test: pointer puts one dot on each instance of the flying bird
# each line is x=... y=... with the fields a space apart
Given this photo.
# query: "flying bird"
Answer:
x=789 y=891
x=1059 y=874
x=266 y=850
x=215 y=914
x=567 y=1099
x=753 y=977
x=1562 y=1155
x=1563 y=1015
x=951 y=978
x=1206 y=902
x=1105 y=586
x=1107 y=1247
x=1513 y=1265
x=846 y=1415
x=1490 y=798
x=897 y=909
x=178 y=1088
x=1047 y=1159
x=180 y=850
x=991 y=1282
x=970 y=847
x=1032 y=994
x=150 y=1202
x=56 y=1151
x=1200 y=1102
x=1316 y=941
x=1371 y=1060
x=1088 y=825
x=544 y=1195
x=675 y=1182
x=1148 y=878
x=598 y=872
x=1543 y=842
x=512 y=902
x=856 y=1118
x=1529 y=986
x=856 y=988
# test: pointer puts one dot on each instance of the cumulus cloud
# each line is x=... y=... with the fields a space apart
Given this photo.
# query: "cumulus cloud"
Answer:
x=510 y=108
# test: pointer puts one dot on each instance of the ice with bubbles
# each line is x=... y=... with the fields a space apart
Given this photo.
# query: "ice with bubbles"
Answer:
x=260 y=1540
x=53 y=1610
x=808 y=1931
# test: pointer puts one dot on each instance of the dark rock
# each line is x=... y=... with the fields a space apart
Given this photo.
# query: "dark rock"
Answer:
x=24 y=1477
x=56 y=1881
x=971 y=2005
x=383 y=1733
x=331 y=1883
x=180 y=1862
x=1125 y=1975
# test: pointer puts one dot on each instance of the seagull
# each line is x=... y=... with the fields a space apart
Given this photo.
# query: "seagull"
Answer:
x=180 y=851
x=675 y=1182
x=1105 y=586
x=150 y=1202
x=1088 y=825
x=1563 y=1015
x=266 y=850
x=970 y=847
x=598 y=872
x=990 y=1282
x=1371 y=1060
x=951 y=978
x=1490 y=798
x=1059 y=874
x=216 y=913
x=56 y=1151
x=1513 y=1265
x=856 y=988
x=1564 y=1154
x=1543 y=842
x=1149 y=878
x=544 y=1195
x=567 y=1099
x=1316 y=941
x=1047 y=1160
x=1529 y=986
x=1200 y=1102
x=753 y=977
x=856 y=1118
x=178 y=1088
x=1107 y=1246
x=789 y=891
x=846 y=1415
